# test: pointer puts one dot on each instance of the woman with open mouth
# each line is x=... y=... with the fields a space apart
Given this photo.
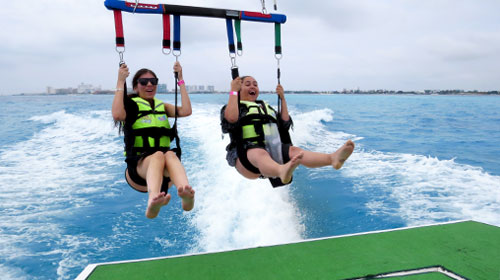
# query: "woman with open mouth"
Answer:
x=260 y=144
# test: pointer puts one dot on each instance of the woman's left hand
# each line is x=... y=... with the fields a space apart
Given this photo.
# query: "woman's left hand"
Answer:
x=178 y=69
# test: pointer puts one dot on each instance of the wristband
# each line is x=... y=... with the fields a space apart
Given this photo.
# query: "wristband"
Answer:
x=233 y=93
x=180 y=82
x=118 y=89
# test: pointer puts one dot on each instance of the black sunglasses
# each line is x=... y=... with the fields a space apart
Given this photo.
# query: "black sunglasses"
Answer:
x=145 y=81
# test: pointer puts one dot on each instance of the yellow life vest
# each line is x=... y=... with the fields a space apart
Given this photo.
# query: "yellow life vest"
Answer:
x=150 y=131
x=253 y=123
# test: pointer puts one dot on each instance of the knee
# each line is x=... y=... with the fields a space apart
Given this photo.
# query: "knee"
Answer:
x=170 y=156
x=294 y=151
x=158 y=156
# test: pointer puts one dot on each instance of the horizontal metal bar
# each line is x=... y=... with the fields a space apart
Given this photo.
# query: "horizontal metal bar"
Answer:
x=143 y=8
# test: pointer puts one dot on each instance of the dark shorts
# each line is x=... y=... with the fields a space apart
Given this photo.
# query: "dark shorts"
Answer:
x=136 y=178
x=232 y=153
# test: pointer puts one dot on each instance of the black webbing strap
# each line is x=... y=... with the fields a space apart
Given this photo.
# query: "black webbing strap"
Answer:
x=177 y=150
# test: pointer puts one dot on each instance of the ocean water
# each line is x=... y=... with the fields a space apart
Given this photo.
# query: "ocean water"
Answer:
x=65 y=204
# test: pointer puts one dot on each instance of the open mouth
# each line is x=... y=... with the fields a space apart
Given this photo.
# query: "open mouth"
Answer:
x=252 y=93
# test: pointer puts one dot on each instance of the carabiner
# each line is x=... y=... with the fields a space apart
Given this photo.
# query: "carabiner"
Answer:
x=120 y=54
x=135 y=7
x=166 y=53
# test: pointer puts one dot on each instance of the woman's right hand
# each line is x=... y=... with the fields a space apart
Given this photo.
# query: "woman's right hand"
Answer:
x=123 y=73
x=236 y=84
x=178 y=70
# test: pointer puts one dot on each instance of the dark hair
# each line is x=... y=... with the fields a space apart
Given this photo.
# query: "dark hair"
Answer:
x=135 y=81
x=244 y=77
x=138 y=74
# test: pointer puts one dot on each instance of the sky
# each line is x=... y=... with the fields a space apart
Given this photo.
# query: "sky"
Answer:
x=409 y=45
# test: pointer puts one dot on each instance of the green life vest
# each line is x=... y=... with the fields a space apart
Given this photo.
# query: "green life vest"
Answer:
x=150 y=131
x=253 y=123
x=255 y=126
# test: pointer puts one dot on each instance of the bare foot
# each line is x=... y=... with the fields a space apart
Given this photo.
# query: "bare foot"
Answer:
x=342 y=154
x=288 y=168
x=155 y=203
x=187 y=195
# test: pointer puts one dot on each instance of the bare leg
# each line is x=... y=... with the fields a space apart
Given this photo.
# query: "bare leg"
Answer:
x=180 y=180
x=261 y=159
x=151 y=168
x=243 y=171
x=313 y=159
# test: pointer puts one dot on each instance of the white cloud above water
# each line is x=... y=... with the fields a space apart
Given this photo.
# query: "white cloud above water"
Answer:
x=327 y=45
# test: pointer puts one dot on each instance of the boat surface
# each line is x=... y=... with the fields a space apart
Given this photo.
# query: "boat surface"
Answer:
x=454 y=250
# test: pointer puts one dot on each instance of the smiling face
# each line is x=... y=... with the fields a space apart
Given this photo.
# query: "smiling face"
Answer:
x=249 y=89
x=147 y=91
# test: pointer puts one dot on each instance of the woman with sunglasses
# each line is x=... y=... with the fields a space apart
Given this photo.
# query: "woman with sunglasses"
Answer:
x=151 y=166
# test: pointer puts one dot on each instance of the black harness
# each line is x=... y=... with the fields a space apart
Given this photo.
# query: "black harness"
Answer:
x=257 y=120
x=150 y=132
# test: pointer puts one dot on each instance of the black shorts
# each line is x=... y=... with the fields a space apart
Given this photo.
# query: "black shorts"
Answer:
x=232 y=153
x=134 y=176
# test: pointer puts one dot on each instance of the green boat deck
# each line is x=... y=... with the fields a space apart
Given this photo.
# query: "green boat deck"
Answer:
x=468 y=249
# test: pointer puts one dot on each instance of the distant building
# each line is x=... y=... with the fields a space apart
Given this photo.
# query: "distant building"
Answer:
x=83 y=88
x=51 y=90
x=86 y=88
x=162 y=88
x=199 y=88
x=66 y=90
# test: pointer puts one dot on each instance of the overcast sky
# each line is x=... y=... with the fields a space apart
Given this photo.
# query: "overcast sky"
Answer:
x=327 y=45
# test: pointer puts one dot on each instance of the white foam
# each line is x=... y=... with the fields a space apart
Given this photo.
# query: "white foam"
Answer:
x=55 y=172
x=418 y=189
x=231 y=211
x=310 y=132
x=423 y=190
x=12 y=273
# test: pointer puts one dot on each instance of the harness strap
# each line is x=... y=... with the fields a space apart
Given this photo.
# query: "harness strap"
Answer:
x=177 y=150
x=277 y=53
x=230 y=35
x=237 y=28
x=244 y=159
x=277 y=38
x=166 y=33
x=120 y=40
x=156 y=133
x=232 y=49
x=177 y=33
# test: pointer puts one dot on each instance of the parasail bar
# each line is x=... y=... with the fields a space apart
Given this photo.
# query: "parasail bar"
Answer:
x=143 y=8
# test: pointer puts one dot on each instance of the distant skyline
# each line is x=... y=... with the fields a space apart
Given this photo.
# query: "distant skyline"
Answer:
x=327 y=45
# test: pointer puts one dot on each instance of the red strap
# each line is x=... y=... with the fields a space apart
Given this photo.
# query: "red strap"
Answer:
x=120 y=40
x=166 y=31
x=256 y=15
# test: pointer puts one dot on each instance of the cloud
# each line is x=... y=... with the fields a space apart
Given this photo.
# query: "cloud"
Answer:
x=326 y=44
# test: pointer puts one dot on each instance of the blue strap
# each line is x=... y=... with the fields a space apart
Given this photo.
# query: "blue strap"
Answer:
x=230 y=35
x=177 y=32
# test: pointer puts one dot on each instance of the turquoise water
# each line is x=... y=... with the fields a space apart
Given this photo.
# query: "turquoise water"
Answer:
x=64 y=202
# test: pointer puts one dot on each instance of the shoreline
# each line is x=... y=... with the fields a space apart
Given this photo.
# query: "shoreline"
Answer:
x=490 y=93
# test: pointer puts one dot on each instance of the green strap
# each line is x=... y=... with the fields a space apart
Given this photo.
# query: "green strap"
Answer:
x=237 y=27
x=277 y=38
